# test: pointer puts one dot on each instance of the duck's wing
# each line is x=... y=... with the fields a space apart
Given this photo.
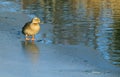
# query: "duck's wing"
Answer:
x=25 y=26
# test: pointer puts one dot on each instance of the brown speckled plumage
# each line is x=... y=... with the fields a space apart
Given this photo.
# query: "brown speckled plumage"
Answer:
x=31 y=28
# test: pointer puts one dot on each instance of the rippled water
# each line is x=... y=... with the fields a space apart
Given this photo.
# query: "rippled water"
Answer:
x=96 y=23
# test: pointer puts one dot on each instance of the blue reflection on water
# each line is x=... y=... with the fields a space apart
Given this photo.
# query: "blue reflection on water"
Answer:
x=75 y=22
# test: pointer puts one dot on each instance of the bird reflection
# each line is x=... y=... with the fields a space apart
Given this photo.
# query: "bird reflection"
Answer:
x=31 y=50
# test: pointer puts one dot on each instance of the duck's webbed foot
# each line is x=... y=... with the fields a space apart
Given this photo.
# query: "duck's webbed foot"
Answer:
x=27 y=38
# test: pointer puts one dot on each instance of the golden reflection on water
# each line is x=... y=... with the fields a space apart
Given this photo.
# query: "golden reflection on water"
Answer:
x=92 y=22
x=31 y=50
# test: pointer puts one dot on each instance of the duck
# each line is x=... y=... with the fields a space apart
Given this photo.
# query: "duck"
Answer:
x=31 y=28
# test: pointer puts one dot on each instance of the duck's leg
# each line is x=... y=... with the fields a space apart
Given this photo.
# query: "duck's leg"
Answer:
x=33 y=37
x=26 y=37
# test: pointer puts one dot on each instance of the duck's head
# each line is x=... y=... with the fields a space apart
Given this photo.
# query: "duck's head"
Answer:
x=36 y=20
